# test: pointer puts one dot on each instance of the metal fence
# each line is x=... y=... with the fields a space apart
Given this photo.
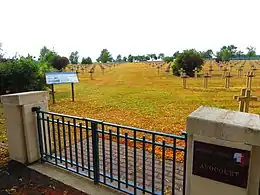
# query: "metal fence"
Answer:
x=132 y=160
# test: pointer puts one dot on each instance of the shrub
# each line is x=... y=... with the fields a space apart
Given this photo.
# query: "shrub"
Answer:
x=60 y=62
x=22 y=75
x=187 y=60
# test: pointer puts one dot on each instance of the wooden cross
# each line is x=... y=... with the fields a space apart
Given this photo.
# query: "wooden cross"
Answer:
x=196 y=72
x=206 y=77
x=91 y=73
x=253 y=68
x=167 y=72
x=220 y=67
x=249 y=76
x=181 y=71
x=184 y=81
x=239 y=71
x=227 y=79
x=158 y=69
x=244 y=99
x=224 y=71
x=210 y=70
x=231 y=66
x=82 y=69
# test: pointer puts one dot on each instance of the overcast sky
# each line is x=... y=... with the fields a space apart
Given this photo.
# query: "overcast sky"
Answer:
x=127 y=26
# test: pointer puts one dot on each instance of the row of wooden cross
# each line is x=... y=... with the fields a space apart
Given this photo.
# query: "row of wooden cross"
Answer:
x=245 y=95
x=227 y=77
x=91 y=68
x=225 y=71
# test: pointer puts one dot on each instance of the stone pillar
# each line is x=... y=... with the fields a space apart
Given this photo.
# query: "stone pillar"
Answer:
x=21 y=125
x=223 y=152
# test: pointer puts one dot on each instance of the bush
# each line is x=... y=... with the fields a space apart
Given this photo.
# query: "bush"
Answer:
x=60 y=62
x=22 y=75
x=188 y=60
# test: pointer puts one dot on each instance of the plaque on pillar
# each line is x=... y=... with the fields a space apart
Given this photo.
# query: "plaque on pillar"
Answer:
x=219 y=163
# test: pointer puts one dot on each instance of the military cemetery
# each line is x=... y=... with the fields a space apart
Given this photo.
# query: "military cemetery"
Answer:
x=103 y=89
x=120 y=97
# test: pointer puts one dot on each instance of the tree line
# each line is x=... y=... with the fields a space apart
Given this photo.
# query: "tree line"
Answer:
x=225 y=53
x=19 y=73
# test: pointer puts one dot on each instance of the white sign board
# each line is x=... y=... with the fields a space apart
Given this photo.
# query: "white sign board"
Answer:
x=61 y=77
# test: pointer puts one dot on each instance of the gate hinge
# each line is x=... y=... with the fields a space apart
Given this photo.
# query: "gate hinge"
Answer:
x=36 y=109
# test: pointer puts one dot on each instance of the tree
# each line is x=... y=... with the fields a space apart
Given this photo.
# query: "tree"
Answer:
x=175 y=54
x=161 y=56
x=87 y=60
x=74 y=57
x=1 y=52
x=226 y=55
x=105 y=56
x=60 y=62
x=168 y=59
x=188 y=60
x=152 y=56
x=47 y=55
x=130 y=58
x=48 y=58
x=43 y=52
x=232 y=50
x=141 y=58
x=207 y=54
x=239 y=54
x=119 y=58
x=125 y=59
x=147 y=58
x=251 y=51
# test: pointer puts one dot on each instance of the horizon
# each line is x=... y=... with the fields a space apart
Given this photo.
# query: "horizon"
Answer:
x=128 y=27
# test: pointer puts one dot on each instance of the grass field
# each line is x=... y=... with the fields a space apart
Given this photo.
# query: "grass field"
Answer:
x=134 y=94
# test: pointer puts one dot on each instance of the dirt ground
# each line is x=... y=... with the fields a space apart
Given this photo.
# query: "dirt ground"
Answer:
x=17 y=179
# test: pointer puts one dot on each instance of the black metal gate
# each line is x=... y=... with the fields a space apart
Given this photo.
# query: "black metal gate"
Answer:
x=128 y=159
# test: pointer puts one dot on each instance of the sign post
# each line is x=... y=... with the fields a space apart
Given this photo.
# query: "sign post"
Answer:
x=72 y=91
x=61 y=78
x=52 y=93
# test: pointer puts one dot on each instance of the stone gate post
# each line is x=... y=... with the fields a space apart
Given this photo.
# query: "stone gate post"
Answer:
x=223 y=152
x=21 y=124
